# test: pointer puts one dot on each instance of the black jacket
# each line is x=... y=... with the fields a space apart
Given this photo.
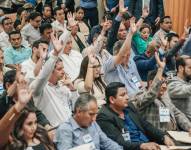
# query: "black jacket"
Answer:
x=156 y=9
x=6 y=103
x=112 y=126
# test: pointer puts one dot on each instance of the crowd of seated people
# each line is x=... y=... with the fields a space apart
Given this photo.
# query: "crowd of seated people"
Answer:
x=67 y=80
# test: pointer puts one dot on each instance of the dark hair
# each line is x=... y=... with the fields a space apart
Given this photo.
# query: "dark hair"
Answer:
x=45 y=26
x=34 y=15
x=19 y=142
x=46 y=5
x=112 y=89
x=145 y=25
x=163 y=18
x=38 y=42
x=180 y=61
x=78 y=8
x=4 y=19
x=57 y=9
x=171 y=35
x=83 y=101
x=83 y=72
x=20 y=10
x=107 y=16
x=9 y=77
x=14 y=32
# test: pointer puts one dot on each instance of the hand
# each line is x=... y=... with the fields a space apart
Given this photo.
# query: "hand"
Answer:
x=168 y=141
x=150 y=146
x=71 y=19
x=163 y=40
x=157 y=20
x=92 y=59
x=106 y=26
x=133 y=27
x=58 y=45
x=113 y=10
x=186 y=30
x=145 y=12
x=160 y=63
x=12 y=89
x=122 y=9
x=68 y=82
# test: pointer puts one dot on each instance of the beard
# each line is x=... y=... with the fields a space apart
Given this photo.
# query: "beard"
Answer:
x=186 y=76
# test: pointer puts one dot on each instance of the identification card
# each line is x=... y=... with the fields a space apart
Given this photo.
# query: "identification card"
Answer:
x=88 y=139
x=164 y=114
x=136 y=81
x=126 y=135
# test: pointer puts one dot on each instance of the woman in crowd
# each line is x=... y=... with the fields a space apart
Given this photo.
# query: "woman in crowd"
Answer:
x=142 y=38
x=28 y=134
x=83 y=26
x=90 y=80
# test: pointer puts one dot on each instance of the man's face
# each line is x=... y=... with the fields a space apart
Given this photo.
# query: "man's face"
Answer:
x=68 y=47
x=47 y=34
x=173 y=41
x=15 y=40
x=47 y=12
x=166 y=25
x=36 y=22
x=122 y=32
x=58 y=72
x=8 y=25
x=42 y=46
x=187 y=70
x=86 y=118
x=120 y=101
x=60 y=15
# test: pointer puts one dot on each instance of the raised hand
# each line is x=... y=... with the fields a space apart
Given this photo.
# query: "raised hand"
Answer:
x=122 y=9
x=145 y=12
x=58 y=45
x=161 y=64
x=92 y=59
x=163 y=40
x=186 y=30
x=106 y=26
x=133 y=27
x=71 y=19
x=157 y=20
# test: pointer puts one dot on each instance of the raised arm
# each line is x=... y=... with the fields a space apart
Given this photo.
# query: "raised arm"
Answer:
x=145 y=13
x=126 y=48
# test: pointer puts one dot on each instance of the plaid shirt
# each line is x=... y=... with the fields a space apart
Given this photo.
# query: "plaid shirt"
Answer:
x=148 y=105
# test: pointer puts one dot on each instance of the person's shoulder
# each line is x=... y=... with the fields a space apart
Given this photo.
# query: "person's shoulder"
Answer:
x=66 y=126
x=105 y=112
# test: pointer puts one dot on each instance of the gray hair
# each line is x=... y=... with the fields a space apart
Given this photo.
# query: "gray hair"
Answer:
x=83 y=101
x=117 y=46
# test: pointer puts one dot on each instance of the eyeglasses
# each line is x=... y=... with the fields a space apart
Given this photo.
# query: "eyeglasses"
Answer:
x=96 y=66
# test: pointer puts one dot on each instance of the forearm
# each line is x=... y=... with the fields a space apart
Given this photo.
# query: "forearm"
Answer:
x=7 y=123
x=12 y=66
x=38 y=84
x=88 y=84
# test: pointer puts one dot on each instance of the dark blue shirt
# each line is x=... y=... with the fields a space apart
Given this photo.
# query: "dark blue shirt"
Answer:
x=112 y=3
x=135 y=133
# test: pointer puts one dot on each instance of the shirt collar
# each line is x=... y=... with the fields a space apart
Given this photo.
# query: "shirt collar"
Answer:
x=74 y=124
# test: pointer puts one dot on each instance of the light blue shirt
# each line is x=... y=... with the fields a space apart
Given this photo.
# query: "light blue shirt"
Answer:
x=17 y=56
x=116 y=73
x=70 y=134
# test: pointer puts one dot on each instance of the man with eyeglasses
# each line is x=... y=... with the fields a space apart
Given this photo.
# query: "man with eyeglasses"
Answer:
x=7 y=24
x=30 y=32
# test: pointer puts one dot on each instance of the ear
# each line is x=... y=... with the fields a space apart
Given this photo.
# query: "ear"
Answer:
x=7 y=85
x=111 y=100
x=180 y=69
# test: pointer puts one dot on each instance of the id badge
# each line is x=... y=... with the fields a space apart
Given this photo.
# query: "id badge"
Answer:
x=164 y=114
x=126 y=135
x=88 y=139
x=134 y=79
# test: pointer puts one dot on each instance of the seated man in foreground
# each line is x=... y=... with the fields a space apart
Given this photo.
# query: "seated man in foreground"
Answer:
x=122 y=123
x=82 y=128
